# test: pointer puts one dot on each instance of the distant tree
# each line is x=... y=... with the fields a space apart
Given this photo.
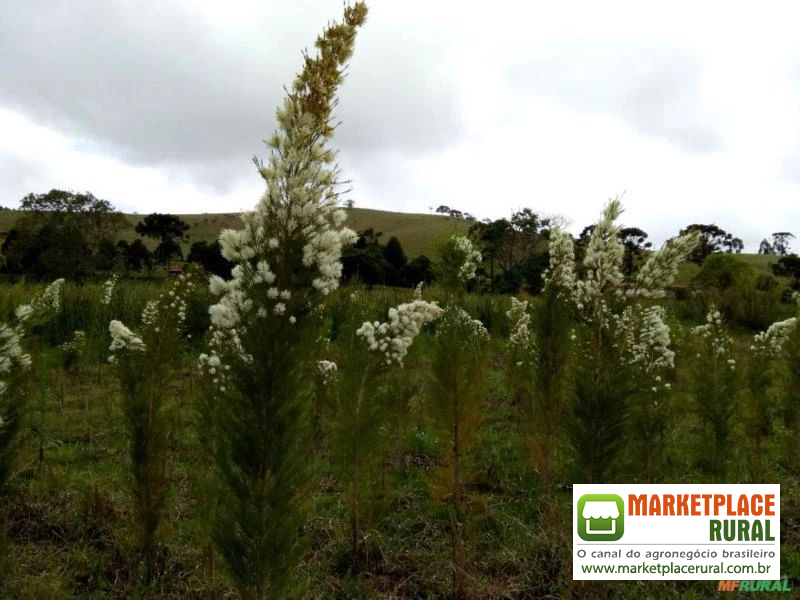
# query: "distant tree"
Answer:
x=169 y=230
x=365 y=259
x=368 y=237
x=418 y=269
x=635 y=242
x=712 y=239
x=765 y=247
x=491 y=234
x=94 y=218
x=209 y=254
x=512 y=249
x=394 y=254
x=59 y=235
x=781 y=242
x=788 y=266
x=166 y=251
x=106 y=257
x=137 y=256
x=443 y=210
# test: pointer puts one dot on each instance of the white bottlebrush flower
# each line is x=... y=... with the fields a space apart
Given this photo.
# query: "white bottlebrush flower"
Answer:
x=327 y=369
x=469 y=256
x=661 y=268
x=418 y=290
x=48 y=303
x=123 y=338
x=12 y=356
x=561 y=272
x=76 y=345
x=648 y=341
x=603 y=262
x=520 y=321
x=715 y=333
x=393 y=338
x=472 y=330
x=108 y=290
x=770 y=342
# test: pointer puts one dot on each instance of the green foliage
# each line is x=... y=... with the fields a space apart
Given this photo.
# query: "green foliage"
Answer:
x=209 y=255
x=144 y=362
x=603 y=386
x=553 y=381
x=459 y=355
x=358 y=424
x=60 y=234
x=715 y=387
x=169 y=230
x=742 y=297
x=712 y=240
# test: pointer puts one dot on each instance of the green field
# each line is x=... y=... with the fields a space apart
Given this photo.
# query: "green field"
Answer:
x=70 y=509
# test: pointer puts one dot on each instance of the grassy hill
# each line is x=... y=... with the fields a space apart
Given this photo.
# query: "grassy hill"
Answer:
x=419 y=233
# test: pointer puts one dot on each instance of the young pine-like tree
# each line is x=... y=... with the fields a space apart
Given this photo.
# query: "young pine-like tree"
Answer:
x=15 y=372
x=459 y=357
x=715 y=389
x=540 y=358
x=145 y=361
x=764 y=370
x=262 y=356
x=608 y=369
x=789 y=390
x=15 y=364
x=368 y=356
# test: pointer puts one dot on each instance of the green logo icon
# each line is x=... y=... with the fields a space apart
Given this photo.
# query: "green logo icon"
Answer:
x=601 y=517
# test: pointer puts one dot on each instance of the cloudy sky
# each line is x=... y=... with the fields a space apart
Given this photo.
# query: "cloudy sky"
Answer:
x=691 y=109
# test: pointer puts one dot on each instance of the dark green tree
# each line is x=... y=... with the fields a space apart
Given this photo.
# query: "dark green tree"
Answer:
x=635 y=242
x=59 y=235
x=169 y=230
x=712 y=240
x=394 y=254
x=210 y=256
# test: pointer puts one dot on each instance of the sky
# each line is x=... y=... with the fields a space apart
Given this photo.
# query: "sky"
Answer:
x=690 y=110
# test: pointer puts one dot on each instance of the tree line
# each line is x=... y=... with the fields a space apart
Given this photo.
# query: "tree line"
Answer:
x=77 y=235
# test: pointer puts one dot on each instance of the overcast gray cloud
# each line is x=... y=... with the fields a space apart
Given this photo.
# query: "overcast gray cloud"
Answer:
x=159 y=105
x=157 y=84
x=653 y=88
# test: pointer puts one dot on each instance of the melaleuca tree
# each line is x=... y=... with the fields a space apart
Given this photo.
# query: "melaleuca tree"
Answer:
x=144 y=361
x=651 y=360
x=608 y=366
x=764 y=369
x=15 y=365
x=262 y=349
x=15 y=375
x=540 y=357
x=715 y=388
x=459 y=356
x=788 y=387
x=368 y=355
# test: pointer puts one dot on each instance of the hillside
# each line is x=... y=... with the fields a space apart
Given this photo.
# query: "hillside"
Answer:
x=419 y=233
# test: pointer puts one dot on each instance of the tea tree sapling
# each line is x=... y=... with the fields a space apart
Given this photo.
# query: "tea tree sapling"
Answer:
x=715 y=387
x=259 y=368
x=143 y=361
